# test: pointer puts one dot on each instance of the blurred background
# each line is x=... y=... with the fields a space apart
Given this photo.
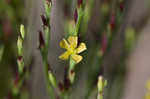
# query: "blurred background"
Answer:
x=117 y=36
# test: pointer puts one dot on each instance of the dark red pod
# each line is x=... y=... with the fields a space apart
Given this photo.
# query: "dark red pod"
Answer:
x=75 y=16
x=121 y=6
x=20 y=58
x=61 y=86
x=41 y=39
x=44 y=20
x=66 y=79
x=16 y=81
x=80 y=3
x=9 y=95
x=112 y=21
x=104 y=43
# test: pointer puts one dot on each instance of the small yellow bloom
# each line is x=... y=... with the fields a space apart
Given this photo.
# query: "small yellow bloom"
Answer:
x=147 y=96
x=148 y=85
x=72 y=50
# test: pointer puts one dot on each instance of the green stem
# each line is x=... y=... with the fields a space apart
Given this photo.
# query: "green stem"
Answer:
x=80 y=15
x=50 y=78
x=48 y=84
x=66 y=95
x=100 y=96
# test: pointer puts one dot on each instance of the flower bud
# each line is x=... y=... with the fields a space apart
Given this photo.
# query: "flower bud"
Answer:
x=101 y=84
x=20 y=64
x=44 y=20
x=61 y=86
x=80 y=3
x=41 y=39
x=71 y=76
x=112 y=21
x=22 y=30
x=75 y=16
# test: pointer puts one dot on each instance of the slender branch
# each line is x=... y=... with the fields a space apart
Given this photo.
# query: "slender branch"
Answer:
x=44 y=45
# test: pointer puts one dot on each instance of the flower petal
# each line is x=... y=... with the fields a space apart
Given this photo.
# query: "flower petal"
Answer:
x=73 y=41
x=76 y=58
x=64 y=44
x=81 y=48
x=64 y=56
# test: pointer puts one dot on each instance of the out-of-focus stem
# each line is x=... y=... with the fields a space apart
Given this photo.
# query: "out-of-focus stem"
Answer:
x=44 y=45
x=87 y=14
x=21 y=75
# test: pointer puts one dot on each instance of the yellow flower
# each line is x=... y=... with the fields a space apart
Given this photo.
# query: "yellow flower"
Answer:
x=147 y=96
x=148 y=85
x=72 y=50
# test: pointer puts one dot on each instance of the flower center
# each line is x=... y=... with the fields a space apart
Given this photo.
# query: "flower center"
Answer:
x=71 y=50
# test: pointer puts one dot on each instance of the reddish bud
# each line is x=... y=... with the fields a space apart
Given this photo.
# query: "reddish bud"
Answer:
x=7 y=27
x=67 y=84
x=20 y=58
x=72 y=71
x=75 y=16
x=121 y=6
x=41 y=39
x=44 y=20
x=112 y=22
x=16 y=79
x=66 y=80
x=79 y=3
x=104 y=43
x=60 y=86
x=9 y=95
